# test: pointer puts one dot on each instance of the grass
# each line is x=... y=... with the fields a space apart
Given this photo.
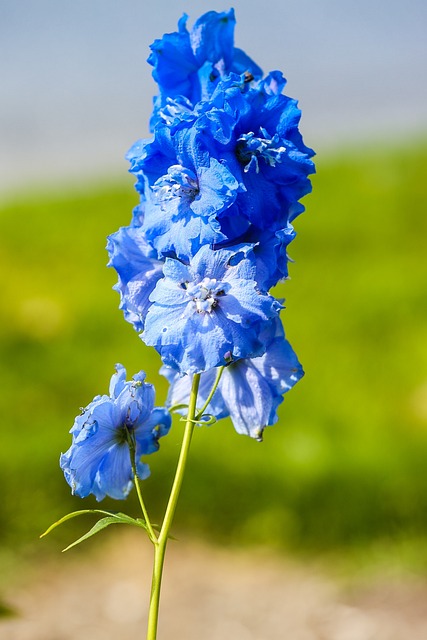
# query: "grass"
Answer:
x=345 y=467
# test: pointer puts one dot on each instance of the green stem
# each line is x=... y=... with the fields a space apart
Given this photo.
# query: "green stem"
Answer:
x=150 y=529
x=212 y=391
x=160 y=545
x=132 y=451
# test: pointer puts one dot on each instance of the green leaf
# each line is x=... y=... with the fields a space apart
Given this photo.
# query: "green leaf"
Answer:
x=101 y=524
x=112 y=517
x=74 y=514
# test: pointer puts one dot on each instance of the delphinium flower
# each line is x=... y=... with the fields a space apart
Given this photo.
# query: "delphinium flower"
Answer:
x=262 y=147
x=188 y=65
x=138 y=268
x=209 y=311
x=231 y=169
x=220 y=183
x=249 y=390
x=184 y=191
x=108 y=432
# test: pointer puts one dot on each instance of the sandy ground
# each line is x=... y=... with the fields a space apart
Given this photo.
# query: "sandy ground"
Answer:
x=208 y=594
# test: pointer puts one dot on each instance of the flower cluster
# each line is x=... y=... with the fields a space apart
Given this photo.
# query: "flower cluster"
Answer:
x=220 y=183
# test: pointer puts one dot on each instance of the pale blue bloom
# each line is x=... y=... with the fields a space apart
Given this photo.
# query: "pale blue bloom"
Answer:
x=138 y=268
x=98 y=460
x=250 y=390
x=208 y=311
x=184 y=191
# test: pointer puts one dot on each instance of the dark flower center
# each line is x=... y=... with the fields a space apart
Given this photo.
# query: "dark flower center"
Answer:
x=251 y=147
x=124 y=433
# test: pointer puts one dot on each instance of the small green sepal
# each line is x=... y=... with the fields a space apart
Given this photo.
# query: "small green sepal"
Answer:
x=206 y=420
x=177 y=407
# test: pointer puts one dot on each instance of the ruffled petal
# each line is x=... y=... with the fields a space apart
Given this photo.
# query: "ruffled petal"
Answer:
x=98 y=460
x=114 y=476
x=248 y=398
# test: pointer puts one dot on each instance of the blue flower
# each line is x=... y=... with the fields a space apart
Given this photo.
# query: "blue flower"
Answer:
x=184 y=191
x=250 y=390
x=254 y=131
x=98 y=460
x=234 y=164
x=138 y=268
x=189 y=64
x=270 y=253
x=205 y=313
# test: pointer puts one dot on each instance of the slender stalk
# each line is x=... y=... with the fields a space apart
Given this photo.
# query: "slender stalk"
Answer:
x=212 y=391
x=150 y=529
x=160 y=545
x=132 y=451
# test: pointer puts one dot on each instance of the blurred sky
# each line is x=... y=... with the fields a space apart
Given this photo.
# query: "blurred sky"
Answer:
x=76 y=89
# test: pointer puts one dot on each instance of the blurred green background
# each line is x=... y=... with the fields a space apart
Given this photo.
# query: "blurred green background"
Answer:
x=342 y=478
x=345 y=468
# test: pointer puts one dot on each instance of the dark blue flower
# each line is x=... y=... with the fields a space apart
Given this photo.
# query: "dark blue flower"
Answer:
x=209 y=311
x=226 y=171
x=98 y=460
x=189 y=64
x=254 y=131
x=250 y=390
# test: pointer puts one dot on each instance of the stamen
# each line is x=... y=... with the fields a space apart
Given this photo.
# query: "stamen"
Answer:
x=178 y=182
x=205 y=294
x=250 y=148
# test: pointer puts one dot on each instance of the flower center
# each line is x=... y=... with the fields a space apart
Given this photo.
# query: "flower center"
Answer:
x=205 y=294
x=178 y=182
x=251 y=147
x=122 y=434
x=125 y=432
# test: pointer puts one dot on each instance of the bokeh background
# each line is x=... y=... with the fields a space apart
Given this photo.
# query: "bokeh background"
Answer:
x=344 y=473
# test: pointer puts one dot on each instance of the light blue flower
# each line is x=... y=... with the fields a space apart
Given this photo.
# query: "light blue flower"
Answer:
x=184 y=191
x=271 y=256
x=135 y=261
x=250 y=390
x=98 y=460
x=205 y=313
